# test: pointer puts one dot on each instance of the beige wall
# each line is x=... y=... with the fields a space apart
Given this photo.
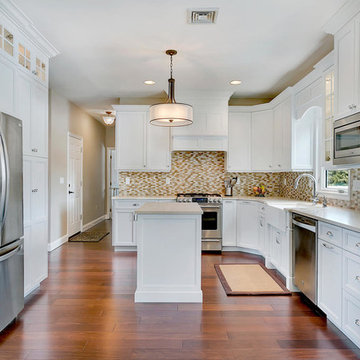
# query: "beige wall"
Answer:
x=66 y=117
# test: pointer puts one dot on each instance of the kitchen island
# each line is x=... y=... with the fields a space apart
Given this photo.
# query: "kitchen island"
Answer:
x=168 y=237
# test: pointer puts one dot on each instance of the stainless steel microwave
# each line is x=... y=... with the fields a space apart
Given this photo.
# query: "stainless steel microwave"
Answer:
x=347 y=140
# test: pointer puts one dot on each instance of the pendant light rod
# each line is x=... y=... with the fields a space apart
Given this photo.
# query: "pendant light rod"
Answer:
x=171 y=113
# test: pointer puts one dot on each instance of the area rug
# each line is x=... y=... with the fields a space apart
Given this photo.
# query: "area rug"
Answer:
x=89 y=236
x=249 y=279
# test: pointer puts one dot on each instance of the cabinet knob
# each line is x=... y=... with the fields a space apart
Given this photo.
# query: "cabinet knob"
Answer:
x=270 y=166
x=357 y=278
x=329 y=233
x=34 y=150
x=357 y=245
x=350 y=107
x=279 y=165
x=34 y=190
x=357 y=322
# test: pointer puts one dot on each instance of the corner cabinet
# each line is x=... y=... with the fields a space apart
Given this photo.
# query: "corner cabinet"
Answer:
x=260 y=136
x=140 y=146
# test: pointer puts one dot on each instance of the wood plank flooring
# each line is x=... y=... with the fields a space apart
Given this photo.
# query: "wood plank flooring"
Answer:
x=85 y=310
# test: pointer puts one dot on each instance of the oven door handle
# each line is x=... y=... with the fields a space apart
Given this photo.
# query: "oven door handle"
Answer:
x=211 y=207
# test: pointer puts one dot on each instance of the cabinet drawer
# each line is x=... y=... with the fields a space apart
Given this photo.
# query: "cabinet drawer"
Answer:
x=330 y=233
x=351 y=241
x=125 y=204
x=351 y=277
x=351 y=317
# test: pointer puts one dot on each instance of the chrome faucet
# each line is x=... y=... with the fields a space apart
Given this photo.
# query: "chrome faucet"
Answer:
x=315 y=198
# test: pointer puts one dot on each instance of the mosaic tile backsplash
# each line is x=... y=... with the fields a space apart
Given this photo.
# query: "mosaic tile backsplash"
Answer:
x=205 y=172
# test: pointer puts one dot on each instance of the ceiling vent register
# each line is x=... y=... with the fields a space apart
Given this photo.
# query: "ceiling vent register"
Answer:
x=202 y=16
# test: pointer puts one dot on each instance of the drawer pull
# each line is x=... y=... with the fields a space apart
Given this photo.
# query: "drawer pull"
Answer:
x=329 y=233
x=357 y=322
x=328 y=246
x=357 y=244
x=277 y=241
x=357 y=277
x=135 y=204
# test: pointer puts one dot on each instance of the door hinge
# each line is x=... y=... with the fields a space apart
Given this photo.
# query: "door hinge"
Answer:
x=110 y=157
x=110 y=183
x=135 y=217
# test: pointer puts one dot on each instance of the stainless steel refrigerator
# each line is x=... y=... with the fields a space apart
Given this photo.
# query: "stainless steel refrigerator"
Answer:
x=11 y=220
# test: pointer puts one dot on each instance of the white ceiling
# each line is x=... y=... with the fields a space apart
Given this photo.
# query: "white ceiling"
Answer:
x=109 y=47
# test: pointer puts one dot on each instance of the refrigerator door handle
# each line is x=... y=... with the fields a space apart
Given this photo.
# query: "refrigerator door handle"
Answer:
x=4 y=180
x=10 y=254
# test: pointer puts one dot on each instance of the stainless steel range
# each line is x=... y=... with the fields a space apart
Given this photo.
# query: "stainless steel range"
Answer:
x=211 y=205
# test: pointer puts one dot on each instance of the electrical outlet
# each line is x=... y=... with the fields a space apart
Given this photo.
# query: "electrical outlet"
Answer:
x=356 y=185
x=284 y=181
x=167 y=181
x=127 y=181
x=238 y=181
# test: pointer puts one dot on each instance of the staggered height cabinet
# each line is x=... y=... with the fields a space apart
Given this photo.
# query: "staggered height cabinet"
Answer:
x=24 y=59
x=260 y=137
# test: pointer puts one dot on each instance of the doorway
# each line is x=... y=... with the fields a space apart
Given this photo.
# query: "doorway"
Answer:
x=75 y=184
x=112 y=178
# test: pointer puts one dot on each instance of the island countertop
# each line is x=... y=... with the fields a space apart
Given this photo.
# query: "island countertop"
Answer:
x=169 y=208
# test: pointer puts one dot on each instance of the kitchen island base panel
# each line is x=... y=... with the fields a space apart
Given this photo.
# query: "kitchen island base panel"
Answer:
x=169 y=256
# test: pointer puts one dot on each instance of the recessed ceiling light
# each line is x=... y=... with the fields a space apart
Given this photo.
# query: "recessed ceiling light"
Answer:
x=235 y=82
x=149 y=82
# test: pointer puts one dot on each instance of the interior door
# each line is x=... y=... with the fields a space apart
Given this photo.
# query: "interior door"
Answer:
x=74 y=186
x=114 y=179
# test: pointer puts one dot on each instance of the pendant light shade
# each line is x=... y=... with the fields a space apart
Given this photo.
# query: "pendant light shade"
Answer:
x=171 y=113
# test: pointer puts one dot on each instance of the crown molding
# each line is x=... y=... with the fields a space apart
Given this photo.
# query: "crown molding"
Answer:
x=26 y=27
x=342 y=16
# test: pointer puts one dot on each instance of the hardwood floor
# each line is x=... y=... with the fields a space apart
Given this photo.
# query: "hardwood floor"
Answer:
x=85 y=310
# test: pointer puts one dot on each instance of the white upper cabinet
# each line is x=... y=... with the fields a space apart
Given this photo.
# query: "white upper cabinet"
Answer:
x=239 y=150
x=209 y=130
x=7 y=81
x=346 y=81
x=31 y=106
x=282 y=136
x=130 y=140
x=158 y=147
x=140 y=146
x=262 y=140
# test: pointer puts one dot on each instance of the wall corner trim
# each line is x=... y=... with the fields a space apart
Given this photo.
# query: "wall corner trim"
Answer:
x=57 y=243
x=94 y=222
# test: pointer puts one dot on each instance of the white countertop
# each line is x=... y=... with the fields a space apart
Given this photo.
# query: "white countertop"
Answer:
x=170 y=208
x=346 y=218
x=145 y=197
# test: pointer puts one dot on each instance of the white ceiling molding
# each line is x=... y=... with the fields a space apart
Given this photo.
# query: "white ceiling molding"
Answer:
x=344 y=15
x=27 y=28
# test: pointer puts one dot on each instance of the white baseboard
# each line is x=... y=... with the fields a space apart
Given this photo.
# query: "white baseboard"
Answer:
x=94 y=222
x=246 y=250
x=55 y=244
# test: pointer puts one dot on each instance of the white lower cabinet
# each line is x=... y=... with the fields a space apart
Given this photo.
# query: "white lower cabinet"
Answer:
x=351 y=317
x=247 y=224
x=276 y=244
x=330 y=280
x=35 y=194
x=229 y=222
x=123 y=227
x=35 y=255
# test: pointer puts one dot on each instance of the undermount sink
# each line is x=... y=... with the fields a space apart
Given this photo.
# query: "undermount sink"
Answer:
x=295 y=204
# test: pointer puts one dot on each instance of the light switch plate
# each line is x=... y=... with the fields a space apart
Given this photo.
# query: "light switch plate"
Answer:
x=238 y=181
x=356 y=185
x=127 y=181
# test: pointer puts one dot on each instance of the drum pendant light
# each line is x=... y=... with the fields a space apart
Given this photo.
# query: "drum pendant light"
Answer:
x=171 y=113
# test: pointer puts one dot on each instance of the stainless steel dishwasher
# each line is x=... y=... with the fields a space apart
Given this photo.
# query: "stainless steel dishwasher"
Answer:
x=305 y=255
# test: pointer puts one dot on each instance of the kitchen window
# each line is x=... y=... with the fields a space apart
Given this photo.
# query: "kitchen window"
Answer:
x=336 y=182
